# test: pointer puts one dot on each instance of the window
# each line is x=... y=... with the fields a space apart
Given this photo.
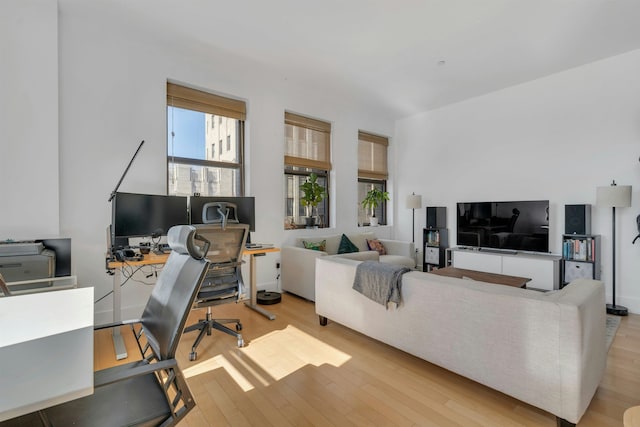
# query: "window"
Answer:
x=191 y=115
x=372 y=172
x=307 y=151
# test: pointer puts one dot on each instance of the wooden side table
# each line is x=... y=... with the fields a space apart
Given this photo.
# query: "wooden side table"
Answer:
x=631 y=417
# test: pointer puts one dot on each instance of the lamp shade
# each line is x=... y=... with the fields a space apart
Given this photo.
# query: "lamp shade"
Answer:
x=414 y=201
x=616 y=196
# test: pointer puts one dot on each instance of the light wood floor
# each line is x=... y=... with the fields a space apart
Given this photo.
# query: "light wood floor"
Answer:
x=293 y=372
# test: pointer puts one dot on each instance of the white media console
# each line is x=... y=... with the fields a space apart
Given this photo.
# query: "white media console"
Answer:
x=542 y=269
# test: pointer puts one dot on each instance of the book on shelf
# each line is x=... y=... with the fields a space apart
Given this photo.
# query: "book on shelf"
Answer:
x=579 y=249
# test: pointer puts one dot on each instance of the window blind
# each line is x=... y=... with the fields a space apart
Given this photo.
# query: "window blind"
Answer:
x=372 y=156
x=307 y=142
x=193 y=99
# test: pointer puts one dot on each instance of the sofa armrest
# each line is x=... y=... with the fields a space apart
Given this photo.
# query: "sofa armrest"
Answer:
x=399 y=247
x=299 y=269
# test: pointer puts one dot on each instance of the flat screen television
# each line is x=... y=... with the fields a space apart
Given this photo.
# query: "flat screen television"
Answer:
x=142 y=215
x=245 y=208
x=512 y=226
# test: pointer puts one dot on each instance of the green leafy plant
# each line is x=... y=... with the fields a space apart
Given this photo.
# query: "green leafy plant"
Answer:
x=373 y=199
x=313 y=193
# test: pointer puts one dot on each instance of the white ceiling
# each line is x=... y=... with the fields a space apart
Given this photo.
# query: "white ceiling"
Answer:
x=389 y=51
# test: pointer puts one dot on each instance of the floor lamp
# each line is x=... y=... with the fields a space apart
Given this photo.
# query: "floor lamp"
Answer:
x=614 y=196
x=414 y=201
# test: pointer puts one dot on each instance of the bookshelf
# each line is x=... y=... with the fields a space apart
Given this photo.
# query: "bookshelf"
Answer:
x=580 y=257
x=435 y=242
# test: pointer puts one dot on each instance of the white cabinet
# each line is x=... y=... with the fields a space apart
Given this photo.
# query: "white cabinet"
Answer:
x=478 y=261
x=542 y=269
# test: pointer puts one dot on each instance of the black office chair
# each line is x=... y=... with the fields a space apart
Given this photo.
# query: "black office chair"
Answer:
x=223 y=283
x=151 y=391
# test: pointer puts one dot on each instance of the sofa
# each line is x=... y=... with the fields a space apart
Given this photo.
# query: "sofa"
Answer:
x=545 y=349
x=299 y=263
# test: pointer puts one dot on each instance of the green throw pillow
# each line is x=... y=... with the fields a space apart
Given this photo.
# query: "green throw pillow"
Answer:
x=315 y=246
x=347 y=246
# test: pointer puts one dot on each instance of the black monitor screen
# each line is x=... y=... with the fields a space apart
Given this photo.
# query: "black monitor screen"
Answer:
x=245 y=212
x=62 y=249
x=140 y=215
x=517 y=225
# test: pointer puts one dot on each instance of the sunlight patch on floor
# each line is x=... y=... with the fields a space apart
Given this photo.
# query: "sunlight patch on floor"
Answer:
x=217 y=362
x=282 y=352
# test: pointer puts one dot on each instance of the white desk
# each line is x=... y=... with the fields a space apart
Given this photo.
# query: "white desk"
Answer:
x=46 y=350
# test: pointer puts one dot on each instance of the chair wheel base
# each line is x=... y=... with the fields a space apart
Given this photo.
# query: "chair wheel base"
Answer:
x=240 y=343
x=238 y=326
x=193 y=356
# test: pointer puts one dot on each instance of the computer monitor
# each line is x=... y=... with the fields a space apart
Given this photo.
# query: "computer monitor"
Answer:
x=141 y=215
x=245 y=211
x=62 y=249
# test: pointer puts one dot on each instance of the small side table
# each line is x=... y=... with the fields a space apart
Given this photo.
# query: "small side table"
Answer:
x=631 y=417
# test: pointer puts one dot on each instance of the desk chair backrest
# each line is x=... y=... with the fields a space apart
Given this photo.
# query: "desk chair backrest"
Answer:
x=174 y=293
x=226 y=243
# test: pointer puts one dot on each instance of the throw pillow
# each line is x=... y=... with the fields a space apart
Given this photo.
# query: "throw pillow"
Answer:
x=376 y=245
x=315 y=246
x=346 y=246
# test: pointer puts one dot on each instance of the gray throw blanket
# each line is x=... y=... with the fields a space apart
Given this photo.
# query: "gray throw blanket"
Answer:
x=379 y=282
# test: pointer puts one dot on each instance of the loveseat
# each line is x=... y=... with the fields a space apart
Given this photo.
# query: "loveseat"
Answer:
x=299 y=263
x=545 y=349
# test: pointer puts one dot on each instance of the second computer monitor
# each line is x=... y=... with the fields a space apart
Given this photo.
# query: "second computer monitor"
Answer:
x=245 y=209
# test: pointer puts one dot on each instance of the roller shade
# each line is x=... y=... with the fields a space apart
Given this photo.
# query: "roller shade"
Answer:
x=193 y=99
x=307 y=142
x=372 y=156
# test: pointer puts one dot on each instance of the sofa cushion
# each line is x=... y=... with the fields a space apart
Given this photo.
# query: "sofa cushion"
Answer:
x=376 y=245
x=347 y=246
x=316 y=246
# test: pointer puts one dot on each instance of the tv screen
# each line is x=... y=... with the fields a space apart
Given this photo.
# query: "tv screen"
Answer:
x=514 y=226
x=245 y=211
x=140 y=215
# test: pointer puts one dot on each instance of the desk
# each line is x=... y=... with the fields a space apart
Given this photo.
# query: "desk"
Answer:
x=117 y=266
x=154 y=259
x=253 y=304
x=46 y=350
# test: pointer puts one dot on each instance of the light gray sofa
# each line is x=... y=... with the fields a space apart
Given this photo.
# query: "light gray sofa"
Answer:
x=299 y=264
x=545 y=349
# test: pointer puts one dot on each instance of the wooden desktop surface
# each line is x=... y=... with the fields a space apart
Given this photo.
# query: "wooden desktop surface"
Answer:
x=498 y=279
x=154 y=259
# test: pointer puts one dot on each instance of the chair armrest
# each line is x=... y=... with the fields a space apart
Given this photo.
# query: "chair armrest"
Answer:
x=130 y=370
x=399 y=247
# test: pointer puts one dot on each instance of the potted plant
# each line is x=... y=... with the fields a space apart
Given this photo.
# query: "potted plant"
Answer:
x=373 y=199
x=313 y=194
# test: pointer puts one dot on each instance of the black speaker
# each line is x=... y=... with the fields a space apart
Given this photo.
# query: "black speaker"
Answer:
x=436 y=217
x=577 y=219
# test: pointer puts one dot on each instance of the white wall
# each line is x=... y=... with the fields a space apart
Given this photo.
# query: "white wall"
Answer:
x=555 y=138
x=112 y=96
x=28 y=119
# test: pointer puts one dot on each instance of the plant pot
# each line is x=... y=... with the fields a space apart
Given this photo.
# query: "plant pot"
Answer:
x=373 y=221
x=310 y=221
